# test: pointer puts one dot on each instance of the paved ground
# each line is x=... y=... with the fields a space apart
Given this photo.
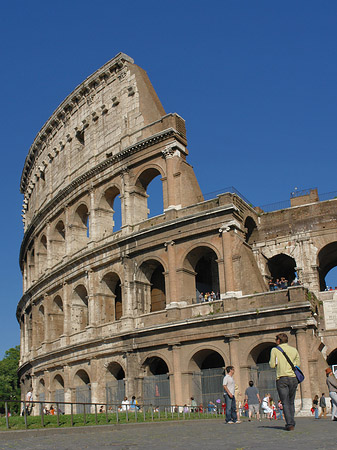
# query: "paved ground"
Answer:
x=197 y=434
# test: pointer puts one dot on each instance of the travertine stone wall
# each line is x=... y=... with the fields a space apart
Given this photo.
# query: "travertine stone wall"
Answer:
x=108 y=311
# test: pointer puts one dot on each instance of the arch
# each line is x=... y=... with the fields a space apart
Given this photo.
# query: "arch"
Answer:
x=115 y=383
x=56 y=317
x=79 y=309
x=58 y=389
x=42 y=254
x=141 y=198
x=251 y=227
x=39 y=323
x=332 y=358
x=110 y=211
x=81 y=378
x=282 y=266
x=156 y=382
x=41 y=393
x=326 y=260
x=83 y=389
x=80 y=225
x=58 y=240
x=200 y=272
x=260 y=372
x=207 y=367
x=112 y=301
x=152 y=290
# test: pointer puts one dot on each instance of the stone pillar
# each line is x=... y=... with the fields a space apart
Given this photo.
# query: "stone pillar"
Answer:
x=228 y=261
x=177 y=398
x=305 y=388
x=170 y=153
x=49 y=247
x=93 y=228
x=92 y=310
x=234 y=356
x=127 y=297
x=35 y=333
x=66 y=297
x=172 y=278
x=68 y=231
x=68 y=389
x=46 y=305
x=125 y=198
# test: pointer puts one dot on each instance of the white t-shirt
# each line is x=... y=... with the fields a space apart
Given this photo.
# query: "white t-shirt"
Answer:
x=124 y=404
x=230 y=383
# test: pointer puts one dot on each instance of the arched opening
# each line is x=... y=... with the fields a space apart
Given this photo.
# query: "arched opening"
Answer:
x=332 y=359
x=31 y=263
x=260 y=372
x=41 y=394
x=208 y=372
x=152 y=292
x=110 y=211
x=56 y=318
x=146 y=196
x=201 y=275
x=79 y=309
x=115 y=383
x=282 y=267
x=58 y=241
x=39 y=323
x=112 y=302
x=156 y=382
x=58 y=387
x=42 y=255
x=251 y=232
x=83 y=390
x=327 y=262
x=80 y=231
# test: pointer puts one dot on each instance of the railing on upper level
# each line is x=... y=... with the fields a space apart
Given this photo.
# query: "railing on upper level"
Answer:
x=272 y=206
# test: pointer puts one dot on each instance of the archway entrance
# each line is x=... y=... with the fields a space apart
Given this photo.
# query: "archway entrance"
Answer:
x=156 y=383
x=83 y=391
x=282 y=266
x=208 y=372
x=115 y=384
x=260 y=372
x=327 y=260
x=332 y=360
x=58 y=386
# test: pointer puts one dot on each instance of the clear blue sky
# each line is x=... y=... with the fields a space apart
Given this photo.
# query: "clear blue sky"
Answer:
x=256 y=82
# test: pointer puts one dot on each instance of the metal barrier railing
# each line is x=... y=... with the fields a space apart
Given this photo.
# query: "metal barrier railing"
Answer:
x=114 y=413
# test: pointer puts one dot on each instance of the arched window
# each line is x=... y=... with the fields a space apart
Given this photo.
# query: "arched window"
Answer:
x=58 y=241
x=148 y=202
x=112 y=302
x=115 y=383
x=156 y=383
x=79 y=309
x=327 y=262
x=83 y=390
x=207 y=367
x=56 y=318
x=153 y=292
x=110 y=212
x=251 y=228
x=282 y=266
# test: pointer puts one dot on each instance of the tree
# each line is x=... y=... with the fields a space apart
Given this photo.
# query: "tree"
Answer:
x=9 y=382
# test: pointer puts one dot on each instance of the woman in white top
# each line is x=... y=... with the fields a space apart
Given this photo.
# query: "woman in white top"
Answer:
x=266 y=407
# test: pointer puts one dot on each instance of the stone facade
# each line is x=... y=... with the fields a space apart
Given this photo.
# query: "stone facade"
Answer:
x=107 y=312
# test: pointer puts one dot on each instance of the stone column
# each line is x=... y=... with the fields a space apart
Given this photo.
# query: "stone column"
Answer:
x=125 y=198
x=178 y=397
x=68 y=231
x=93 y=228
x=171 y=152
x=67 y=388
x=228 y=260
x=305 y=388
x=49 y=247
x=46 y=305
x=172 y=278
x=66 y=297
x=234 y=355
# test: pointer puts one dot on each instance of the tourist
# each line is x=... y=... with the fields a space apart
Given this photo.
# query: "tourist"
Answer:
x=315 y=406
x=322 y=404
x=229 y=388
x=265 y=405
x=125 y=404
x=252 y=397
x=286 y=381
x=193 y=405
x=331 y=381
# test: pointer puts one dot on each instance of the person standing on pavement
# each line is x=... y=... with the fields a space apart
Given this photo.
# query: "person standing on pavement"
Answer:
x=229 y=388
x=331 y=381
x=322 y=404
x=252 y=397
x=286 y=381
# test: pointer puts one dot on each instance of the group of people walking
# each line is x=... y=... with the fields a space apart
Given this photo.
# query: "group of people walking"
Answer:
x=285 y=359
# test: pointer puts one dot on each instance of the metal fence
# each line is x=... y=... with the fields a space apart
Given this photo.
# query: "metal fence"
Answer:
x=92 y=413
x=207 y=386
x=156 y=390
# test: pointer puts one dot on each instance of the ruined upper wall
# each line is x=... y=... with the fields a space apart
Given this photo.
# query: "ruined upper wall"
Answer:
x=113 y=109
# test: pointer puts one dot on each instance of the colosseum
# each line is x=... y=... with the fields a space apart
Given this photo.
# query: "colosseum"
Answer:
x=157 y=306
